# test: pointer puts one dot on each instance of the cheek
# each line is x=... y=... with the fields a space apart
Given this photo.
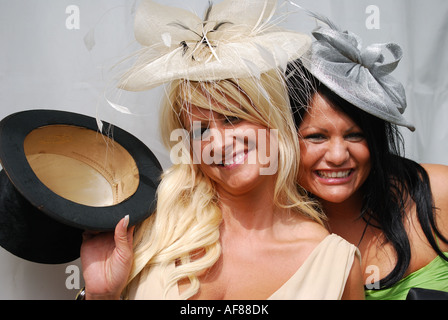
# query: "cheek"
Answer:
x=363 y=158
x=204 y=152
x=309 y=157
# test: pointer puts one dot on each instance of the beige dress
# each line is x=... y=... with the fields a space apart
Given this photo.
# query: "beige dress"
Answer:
x=321 y=277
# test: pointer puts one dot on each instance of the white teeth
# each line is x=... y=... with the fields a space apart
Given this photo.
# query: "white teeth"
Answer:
x=339 y=174
x=238 y=159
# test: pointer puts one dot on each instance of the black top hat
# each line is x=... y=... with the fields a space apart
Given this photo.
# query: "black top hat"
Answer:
x=61 y=175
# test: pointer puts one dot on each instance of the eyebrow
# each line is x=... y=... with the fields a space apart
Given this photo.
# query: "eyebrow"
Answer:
x=355 y=127
x=313 y=127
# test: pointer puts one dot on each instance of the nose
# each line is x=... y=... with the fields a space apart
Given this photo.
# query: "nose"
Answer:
x=337 y=153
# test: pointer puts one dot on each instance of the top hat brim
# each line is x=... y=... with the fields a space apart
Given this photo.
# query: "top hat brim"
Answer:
x=76 y=216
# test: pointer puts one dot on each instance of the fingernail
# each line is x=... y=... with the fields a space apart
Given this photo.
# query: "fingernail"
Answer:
x=126 y=221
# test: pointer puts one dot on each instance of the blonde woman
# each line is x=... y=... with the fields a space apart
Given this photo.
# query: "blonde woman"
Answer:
x=230 y=222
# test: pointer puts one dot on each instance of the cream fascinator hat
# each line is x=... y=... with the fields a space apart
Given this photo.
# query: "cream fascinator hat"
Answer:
x=360 y=76
x=235 y=39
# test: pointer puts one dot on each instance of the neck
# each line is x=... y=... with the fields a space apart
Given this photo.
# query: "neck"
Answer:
x=349 y=209
x=252 y=210
x=341 y=211
x=343 y=218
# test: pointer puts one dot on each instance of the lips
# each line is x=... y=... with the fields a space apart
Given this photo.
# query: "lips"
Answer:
x=340 y=174
x=237 y=159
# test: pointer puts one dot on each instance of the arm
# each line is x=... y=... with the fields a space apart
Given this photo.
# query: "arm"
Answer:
x=106 y=261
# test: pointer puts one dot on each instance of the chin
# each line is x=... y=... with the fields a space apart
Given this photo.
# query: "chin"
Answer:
x=332 y=197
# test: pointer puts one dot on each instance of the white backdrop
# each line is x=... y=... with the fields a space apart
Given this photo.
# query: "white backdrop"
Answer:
x=56 y=54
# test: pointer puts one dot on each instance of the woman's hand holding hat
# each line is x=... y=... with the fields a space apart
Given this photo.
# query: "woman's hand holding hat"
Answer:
x=107 y=261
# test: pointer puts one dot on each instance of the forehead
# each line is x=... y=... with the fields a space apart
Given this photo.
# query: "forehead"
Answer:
x=323 y=113
x=209 y=108
x=194 y=113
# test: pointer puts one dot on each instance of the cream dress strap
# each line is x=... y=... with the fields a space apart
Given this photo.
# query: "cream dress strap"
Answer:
x=321 y=277
x=324 y=273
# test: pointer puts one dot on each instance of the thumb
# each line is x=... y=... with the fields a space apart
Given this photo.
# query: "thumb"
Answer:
x=123 y=237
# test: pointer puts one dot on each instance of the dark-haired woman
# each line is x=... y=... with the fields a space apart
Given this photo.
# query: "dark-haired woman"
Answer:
x=393 y=209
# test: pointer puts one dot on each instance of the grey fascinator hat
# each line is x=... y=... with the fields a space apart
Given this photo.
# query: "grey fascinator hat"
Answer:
x=361 y=76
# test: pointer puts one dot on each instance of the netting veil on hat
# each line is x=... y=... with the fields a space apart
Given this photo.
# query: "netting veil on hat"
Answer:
x=236 y=39
x=360 y=76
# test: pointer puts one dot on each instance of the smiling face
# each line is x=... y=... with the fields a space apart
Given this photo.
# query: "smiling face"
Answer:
x=335 y=158
x=230 y=151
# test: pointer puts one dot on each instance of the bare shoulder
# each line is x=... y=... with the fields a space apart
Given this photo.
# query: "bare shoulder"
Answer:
x=304 y=238
x=436 y=171
x=438 y=176
x=313 y=232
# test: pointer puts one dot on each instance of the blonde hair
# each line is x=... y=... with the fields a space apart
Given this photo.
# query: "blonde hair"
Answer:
x=185 y=227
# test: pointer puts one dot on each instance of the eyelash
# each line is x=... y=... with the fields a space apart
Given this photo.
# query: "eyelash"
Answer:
x=356 y=135
x=231 y=120
x=314 y=136
x=319 y=136
x=199 y=134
